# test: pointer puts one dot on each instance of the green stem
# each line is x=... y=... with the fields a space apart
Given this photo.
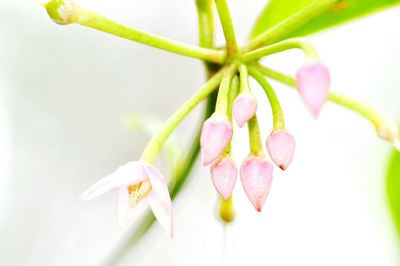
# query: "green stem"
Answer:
x=96 y=21
x=233 y=92
x=277 y=113
x=222 y=100
x=300 y=43
x=244 y=79
x=361 y=108
x=256 y=147
x=282 y=29
x=227 y=26
x=153 y=148
x=206 y=24
x=205 y=14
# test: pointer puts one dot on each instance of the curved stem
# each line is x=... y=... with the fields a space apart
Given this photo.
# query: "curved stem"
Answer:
x=233 y=92
x=277 y=113
x=205 y=14
x=300 y=43
x=284 y=28
x=244 y=79
x=227 y=26
x=222 y=100
x=361 y=108
x=153 y=148
x=256 y=147
x=96 y=21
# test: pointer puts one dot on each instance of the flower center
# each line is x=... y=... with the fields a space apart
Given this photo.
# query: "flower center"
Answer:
x=138 y=192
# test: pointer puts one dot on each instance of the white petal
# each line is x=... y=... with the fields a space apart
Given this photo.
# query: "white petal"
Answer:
x=100 y=187
x=133 y=214
x=159 y=199
x=125 y=175
x=128 y=174
x=122 y=204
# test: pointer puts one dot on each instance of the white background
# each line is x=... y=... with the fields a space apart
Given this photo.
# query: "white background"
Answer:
x=65 y=89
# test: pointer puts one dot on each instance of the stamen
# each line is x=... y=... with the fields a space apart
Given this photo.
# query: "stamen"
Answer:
x=138 y=192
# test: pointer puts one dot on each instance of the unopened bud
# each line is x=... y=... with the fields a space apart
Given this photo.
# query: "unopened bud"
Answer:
x=223 y=174
x=313 y=83
x=215 y=136
x=281 y=146
x=256 y=177
x=244 y=107
x=62 y=11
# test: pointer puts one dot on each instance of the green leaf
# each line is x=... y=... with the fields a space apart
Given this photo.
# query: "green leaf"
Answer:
x=393 y=188
x=344 y=11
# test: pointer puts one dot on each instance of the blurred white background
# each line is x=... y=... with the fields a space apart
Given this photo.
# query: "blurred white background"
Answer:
x=65 y=89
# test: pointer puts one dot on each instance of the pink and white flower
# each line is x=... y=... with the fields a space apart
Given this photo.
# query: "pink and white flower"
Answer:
x=244 y=108
x=281 y=146
x=139 y=184
x=223 y=175
x=313 y=83
x=215 y=136
x=256 y=176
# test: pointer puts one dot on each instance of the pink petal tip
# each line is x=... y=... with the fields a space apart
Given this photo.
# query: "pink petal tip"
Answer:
x=256 y=176
x=223 y=175
x=244 y=108
x=281 y=146
x=215 y=136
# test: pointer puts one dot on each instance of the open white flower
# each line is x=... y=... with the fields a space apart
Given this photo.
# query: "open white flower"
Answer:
x=138 y=184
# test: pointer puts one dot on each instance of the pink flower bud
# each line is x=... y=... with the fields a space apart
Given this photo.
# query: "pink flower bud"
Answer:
x=215 y=136
x=223 y=175
x=281 y=146
x=256 y=176
x=244 y=108
x=313 y=82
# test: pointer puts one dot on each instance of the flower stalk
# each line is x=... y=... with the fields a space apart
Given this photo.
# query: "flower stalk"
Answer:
x=300 y=43
x=361 y=108
x=277 y=113
x=153 y=148
x=227 y=26
x=56 y=10
x=256 y=147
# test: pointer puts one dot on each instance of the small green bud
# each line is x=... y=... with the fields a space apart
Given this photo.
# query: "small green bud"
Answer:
x=62 y=11
x=389 y=131
x=227 y=210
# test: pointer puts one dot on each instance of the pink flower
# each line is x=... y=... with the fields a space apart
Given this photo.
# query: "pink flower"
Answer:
x=244 y=108
x=256 y=176
x=281 y=146
x=313 y=82
x=223 y=174
x=137 y=182
x=215 y=136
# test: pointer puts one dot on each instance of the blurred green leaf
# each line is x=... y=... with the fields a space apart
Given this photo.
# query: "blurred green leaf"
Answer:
x=393 y=188
x=344 y=11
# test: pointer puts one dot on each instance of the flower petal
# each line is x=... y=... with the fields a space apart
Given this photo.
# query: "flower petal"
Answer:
x=125 y=175
x=281 y=146
x=122 y=205
x=223 y=175
x=215 y=136
x=128 y=174
x=244 y=108
x=256 y=176
x=313 y=82
x=159 y=199
x=100 y=187
x=132 y=214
